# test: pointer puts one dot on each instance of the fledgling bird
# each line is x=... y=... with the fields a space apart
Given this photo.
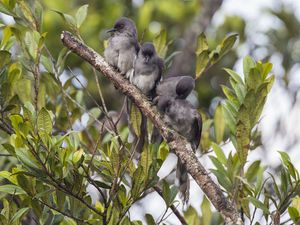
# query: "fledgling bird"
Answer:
x=148 y=68
x=122 y=46
x=186 y=120
x=147 y=72
x=177 y=87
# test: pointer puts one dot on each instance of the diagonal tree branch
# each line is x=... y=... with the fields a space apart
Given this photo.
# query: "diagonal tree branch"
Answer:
x=176 y=142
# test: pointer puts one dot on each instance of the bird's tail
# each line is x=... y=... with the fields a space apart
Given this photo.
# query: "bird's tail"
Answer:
x=184 y=182
x=156 y=138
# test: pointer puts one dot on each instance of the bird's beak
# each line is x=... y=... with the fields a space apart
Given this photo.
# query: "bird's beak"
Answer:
x=147 y=59
x=112 y=30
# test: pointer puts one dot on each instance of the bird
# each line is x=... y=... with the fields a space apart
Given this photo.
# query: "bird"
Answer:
x=147 y=72
x=122 y=46
x=180 y=115
x=178 y=86
x=148 y=68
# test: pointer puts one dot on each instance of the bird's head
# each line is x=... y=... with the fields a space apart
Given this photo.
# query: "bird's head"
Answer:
x=147 y=51
x=124 y=26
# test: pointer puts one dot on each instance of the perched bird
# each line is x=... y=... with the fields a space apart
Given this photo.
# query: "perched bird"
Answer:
x=186 y=120
x=122 y=46
x=148 y=68
x=177 y=87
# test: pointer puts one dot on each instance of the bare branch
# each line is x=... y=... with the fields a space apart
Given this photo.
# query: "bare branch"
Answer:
x=177 y=143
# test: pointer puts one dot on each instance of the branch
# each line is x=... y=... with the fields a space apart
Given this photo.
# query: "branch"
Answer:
x=176 y=142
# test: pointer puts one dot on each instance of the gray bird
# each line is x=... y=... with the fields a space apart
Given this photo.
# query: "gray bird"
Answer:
x=177 y=87
x=122 y=45
x=186 y=120
x=148 y=68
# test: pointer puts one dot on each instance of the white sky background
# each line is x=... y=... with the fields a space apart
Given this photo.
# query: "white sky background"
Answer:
x=278 y=104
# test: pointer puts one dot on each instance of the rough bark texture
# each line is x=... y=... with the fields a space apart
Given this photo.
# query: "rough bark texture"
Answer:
x=176 y=142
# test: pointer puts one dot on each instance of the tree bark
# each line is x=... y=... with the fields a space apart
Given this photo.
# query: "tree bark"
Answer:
x=176 y=142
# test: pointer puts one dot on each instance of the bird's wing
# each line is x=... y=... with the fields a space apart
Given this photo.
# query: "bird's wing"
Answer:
x=196 y=131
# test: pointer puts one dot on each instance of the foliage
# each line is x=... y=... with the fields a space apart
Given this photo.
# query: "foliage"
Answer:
x=55 y=145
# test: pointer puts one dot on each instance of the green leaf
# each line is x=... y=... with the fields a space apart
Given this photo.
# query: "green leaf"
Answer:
x=202 y=61
x=163 y=151
x=294 y=214
x=219 y=124
x=229 y=117
x=31 y=41
x=267 y=67
x=248 y=63
x=4 y=58
x=218 y=165
x=254 y=79
x=6 y=35
x=206 y=212
x=136 y=119
x=219 y=153
x=202 y=44
x=191 y=216
x=222 y=179
x=47 y=63
x=9 y=176
x=6 y=10
x=245 y=206
x=138 y=181
x=149 y=219
x=19 y=214
x=284 y=157
x=44 y=121
x=102 y=184
x=160 y=43
x=99 y=206
x=235 y=76
x=77 y=156
x=70 y=20
x=227 y=44
x=252 y=171
x=231 y=96
x=81 y=15
x=259 y=204
x=12 y=189
x=27 y=159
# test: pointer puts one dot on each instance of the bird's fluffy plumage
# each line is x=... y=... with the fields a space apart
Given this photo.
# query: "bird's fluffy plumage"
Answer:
x=148 y=68
x=122 y=45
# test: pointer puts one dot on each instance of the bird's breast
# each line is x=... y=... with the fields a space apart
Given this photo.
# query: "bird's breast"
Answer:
x=145 y=82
